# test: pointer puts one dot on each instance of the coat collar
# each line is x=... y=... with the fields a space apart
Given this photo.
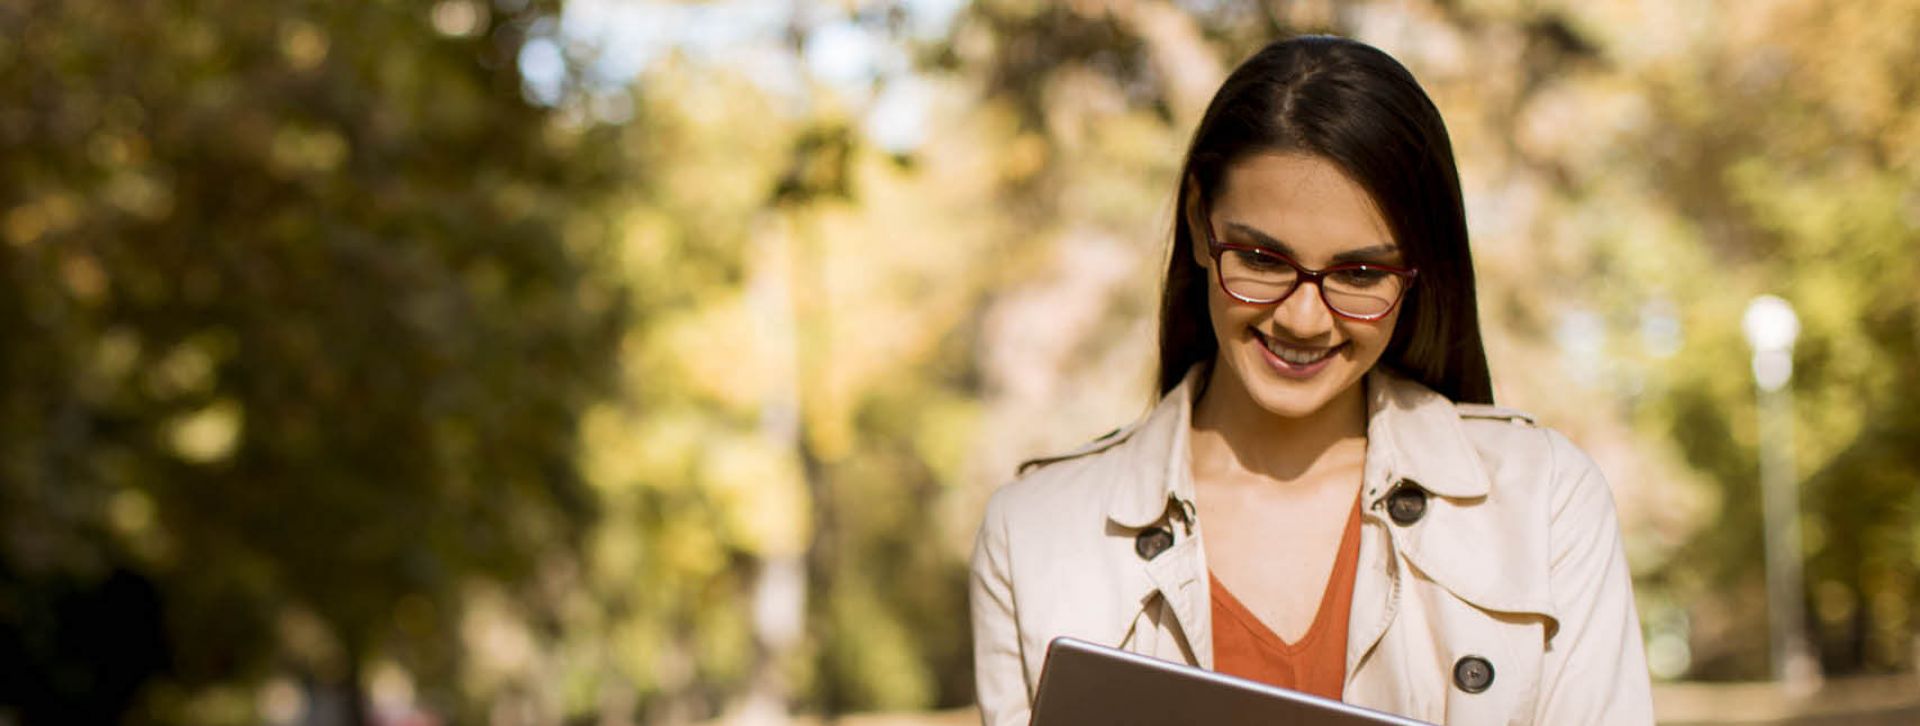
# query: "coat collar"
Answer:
x=1413 y=434
x=1154 y=460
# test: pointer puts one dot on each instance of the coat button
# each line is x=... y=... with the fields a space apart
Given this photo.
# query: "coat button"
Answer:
x=1150 y=543
x=1407 y=503
x=1472 y=674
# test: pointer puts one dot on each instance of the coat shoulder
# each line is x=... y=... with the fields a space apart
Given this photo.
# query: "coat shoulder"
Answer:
x=1061 y=481
x=1507 y=440
x=1488 y=412
x=1099 y=444
x=1517 y=448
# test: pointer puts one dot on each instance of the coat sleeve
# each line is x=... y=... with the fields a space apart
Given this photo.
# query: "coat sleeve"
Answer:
x=1595 y=670
x=1000 y=683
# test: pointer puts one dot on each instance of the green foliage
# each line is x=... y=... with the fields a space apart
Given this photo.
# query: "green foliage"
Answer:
x=781 y=408
x=298 y=323
x=1810 y=197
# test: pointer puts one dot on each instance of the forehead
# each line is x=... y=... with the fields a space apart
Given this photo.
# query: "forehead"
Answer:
x=1304 y=200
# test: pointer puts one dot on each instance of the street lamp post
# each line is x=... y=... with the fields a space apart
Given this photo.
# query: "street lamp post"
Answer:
x=1771 y=327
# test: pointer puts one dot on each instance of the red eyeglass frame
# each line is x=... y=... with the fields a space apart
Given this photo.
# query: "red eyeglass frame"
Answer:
x=1216 y=247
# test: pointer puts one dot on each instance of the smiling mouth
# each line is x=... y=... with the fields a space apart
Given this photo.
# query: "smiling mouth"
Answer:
x=1294 y=354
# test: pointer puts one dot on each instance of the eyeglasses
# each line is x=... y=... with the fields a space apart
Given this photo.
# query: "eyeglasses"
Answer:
x=1356 y=291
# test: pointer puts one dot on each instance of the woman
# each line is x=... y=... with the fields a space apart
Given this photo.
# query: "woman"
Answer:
x=1324 y=498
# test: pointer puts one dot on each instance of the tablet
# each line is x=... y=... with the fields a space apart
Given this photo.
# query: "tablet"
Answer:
x=1084 y=683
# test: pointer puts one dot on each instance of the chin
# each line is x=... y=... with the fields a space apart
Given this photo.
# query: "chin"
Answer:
x=1291 y=404
x=1292 y=400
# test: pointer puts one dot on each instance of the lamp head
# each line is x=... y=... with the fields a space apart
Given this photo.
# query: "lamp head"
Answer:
x=1770 y=324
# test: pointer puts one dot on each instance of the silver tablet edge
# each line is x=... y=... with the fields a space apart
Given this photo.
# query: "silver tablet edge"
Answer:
x=1182 y=669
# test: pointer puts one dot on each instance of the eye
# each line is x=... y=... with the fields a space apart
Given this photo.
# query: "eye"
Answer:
x=1360 y=277
x=1253 y=260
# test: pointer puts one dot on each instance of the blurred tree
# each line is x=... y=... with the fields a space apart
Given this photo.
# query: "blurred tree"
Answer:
x=298 y=320
x=796 y=411
x=1795 y=158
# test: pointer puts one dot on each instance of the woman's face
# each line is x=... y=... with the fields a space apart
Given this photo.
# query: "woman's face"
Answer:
x=1295 y=356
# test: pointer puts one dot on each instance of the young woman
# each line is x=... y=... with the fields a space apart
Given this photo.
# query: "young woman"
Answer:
x=1323 y=498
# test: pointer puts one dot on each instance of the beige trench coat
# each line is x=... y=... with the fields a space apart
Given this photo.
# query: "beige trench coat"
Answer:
x=1515 y=558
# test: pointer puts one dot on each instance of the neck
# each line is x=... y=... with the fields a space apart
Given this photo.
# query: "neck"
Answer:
x=1231 y=429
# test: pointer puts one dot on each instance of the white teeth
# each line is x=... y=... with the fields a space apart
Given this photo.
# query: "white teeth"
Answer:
x=1298 y=356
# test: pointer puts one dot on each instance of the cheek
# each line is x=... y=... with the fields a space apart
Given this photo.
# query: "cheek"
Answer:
x=1233 y=320
x=1224 y=313
x=1372 y=338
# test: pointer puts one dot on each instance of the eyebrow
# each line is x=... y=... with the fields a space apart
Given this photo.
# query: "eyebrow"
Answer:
x=1373 y=253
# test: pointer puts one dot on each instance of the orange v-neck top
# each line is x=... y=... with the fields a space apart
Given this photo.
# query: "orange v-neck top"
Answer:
x=1244 y=646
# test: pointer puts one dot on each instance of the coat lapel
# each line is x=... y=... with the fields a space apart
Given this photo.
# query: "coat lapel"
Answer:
x=1153 y=488
x=1470 y=541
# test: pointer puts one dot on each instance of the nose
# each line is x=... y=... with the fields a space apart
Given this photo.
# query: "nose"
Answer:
x=1303 y=315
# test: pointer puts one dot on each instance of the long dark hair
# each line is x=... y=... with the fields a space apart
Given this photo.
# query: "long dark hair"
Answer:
x=1353 y=105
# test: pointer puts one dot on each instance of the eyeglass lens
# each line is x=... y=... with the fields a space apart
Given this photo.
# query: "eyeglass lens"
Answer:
x=1357 y=291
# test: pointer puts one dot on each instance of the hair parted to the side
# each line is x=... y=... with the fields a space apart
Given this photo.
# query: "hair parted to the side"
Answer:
x=1353 y=105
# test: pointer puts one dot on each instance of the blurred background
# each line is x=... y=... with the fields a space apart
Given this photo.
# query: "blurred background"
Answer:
x=614 y=361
